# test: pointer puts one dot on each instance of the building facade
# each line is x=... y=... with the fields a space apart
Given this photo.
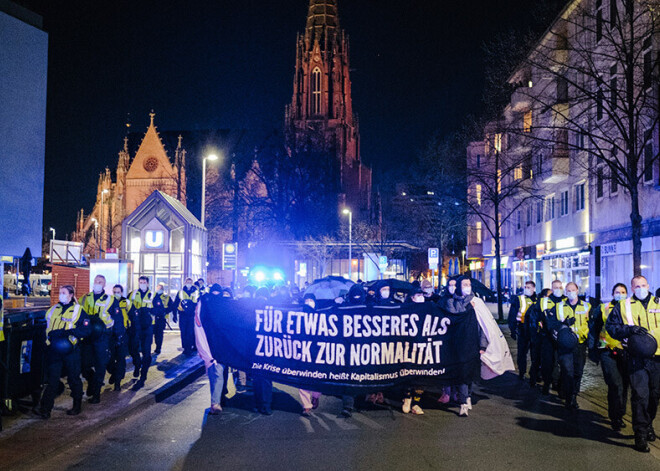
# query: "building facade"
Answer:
x=321 y=112
x=561 y=143
x=136 y=178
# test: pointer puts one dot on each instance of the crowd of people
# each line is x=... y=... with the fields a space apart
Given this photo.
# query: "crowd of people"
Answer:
x=557 y=329
x=560 y=330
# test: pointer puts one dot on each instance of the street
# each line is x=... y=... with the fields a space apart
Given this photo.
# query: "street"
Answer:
x=510 y=427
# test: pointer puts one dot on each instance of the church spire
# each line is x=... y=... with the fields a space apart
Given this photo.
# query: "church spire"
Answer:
x=322 y=24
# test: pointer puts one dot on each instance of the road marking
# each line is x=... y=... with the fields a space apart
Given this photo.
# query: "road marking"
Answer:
x=341 y=423
x=367 y=421
x=308 y=425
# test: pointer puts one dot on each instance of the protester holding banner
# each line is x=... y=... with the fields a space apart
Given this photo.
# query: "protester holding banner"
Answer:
x=309 y=399
x=569 y=323
x=413 y=395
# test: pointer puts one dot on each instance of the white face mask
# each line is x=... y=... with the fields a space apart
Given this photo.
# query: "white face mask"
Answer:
x=641 y=293
x=188 y=285
x=418 y=298
x=451 y=289
x=467 y=291
x=571 y=295
x=98 y=288
x=558 y=292
x=619 y=296
x=117 y=296
x=64 y=298
x=529 y=292
x=160 y=291
x=143 y=286
x=428 y=291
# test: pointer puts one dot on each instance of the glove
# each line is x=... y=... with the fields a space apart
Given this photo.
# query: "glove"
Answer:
x=637 y=329
x=594 y=355
x=570 y=321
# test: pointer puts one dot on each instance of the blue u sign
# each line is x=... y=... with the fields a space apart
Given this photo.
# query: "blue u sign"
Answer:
x=154 y=239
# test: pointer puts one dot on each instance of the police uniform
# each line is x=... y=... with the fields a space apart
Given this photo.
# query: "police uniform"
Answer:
x=162 y=307
x=2 y=319
x=571 y=362
x=185 y=302
x=64 y=321
x=520 y=306
x=141 y=304
x=548 y=357
x=119 y=310
x=95 y=352
x=644 y=373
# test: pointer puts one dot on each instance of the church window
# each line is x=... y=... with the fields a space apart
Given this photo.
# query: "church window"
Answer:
x=316 y=91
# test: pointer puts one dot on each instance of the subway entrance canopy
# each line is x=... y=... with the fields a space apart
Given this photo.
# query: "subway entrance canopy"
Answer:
x=165 y=241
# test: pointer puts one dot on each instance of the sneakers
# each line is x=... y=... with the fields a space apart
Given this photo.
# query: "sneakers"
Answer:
x=444 y=399
x=469 y=403
x=406 y=405
x=416 y=410
x=464 y=410
x=641 y=445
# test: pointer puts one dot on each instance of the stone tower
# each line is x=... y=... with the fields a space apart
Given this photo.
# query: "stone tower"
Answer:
x=321 y=111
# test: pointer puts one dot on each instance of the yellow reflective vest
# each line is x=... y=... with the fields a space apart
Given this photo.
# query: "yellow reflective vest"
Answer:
x=100 y=307
x=57 y=319
x=633 y=313
x=138 y=301
x=182 y=296
x=581 y=314
x=605 y=339
x=525 y=304
x=2 y=319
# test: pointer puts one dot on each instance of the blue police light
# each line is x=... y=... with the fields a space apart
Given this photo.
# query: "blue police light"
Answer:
x=278 y=275
x=263 y=275
x=259 y=276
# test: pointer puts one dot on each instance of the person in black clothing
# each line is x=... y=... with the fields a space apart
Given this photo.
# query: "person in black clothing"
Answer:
x=535 y=339
x=162 y=306
x=430 y=296
x=119 y=338
x=184 y=310
x=548 y=350
x=520 y=307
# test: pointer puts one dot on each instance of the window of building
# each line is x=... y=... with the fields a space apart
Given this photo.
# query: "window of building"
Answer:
x=498 y=142
x=477 y=192
x=518 y=173
x=478 y=161
x=599 y=103
x=477 y=230
x=614 y=182
x=599 y=182
x=527 y=121
x=539 y=165
x=579 y=140
x=316 y=91
x=562 y=90
x=579 y=197
x=530 y=215
x=550 y=208
x=563 y=207
x=539 y=212
x=518 y=219
x=599 y=20
x=648 y=159
x=613 y=88
x=527 y=167
x=614 y=13
x=499 y=181
x=648 y=63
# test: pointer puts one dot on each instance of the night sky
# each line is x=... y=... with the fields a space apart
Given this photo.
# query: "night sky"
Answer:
x=417 y=69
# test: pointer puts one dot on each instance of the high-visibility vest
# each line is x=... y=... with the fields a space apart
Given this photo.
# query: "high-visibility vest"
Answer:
x=57 y=319
x=581 y=314
x=140 y=302
x=606 y=341
x=124 y=307
x=2 y=320
x=648 y=318
x=182 y=295
x=525 y=304
x=99 y=307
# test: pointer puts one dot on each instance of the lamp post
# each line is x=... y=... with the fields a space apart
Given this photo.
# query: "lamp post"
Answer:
x=211 y=157
x=53 y=230
x=350 y=242
x=101 y=224
x=96 y=235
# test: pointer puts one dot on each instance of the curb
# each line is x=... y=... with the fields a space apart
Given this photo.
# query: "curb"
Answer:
x=163 y=391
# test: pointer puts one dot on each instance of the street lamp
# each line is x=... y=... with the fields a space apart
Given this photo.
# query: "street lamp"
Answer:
x=350 y=242
x=101 y=232
x=96 y=235
x=211 y=157
x=52 y=229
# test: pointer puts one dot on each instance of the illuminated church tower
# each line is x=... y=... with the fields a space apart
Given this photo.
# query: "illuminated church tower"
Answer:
x=321 y=111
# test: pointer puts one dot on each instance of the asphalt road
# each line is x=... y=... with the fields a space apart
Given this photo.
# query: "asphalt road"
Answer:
x=511 y=427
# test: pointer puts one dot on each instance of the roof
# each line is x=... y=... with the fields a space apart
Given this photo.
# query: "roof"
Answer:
x=175 y=205
x=322 y=21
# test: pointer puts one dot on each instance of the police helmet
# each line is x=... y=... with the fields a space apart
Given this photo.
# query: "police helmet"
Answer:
x=566 y=338
x=98 y=327
x=642 y=345
x=61 y=345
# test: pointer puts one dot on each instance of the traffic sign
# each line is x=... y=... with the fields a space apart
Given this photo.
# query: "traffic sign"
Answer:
x=382 y=263
x=229 y=256
x=434 y=256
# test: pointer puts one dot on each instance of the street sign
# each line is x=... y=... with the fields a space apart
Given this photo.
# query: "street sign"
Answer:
x=229 y=256
x=434 y=258
x=382 y=263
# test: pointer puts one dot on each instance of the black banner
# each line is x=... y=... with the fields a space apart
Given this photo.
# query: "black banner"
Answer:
x=344 y=350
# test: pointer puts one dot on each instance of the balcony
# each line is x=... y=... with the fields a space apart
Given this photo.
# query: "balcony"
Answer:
x=555 y=167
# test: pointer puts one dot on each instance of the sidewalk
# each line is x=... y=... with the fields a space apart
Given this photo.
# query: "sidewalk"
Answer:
x=26 y=438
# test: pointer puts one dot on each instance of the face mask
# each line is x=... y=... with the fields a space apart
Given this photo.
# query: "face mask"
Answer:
x=467 y=291
x=557 y=292
x=160 y=291
x=143 y=286
x=117 y=296
x=641 y=293
x=418 y=298
x=98 y=288
x=619 y=297
x=64 y=298
x=571 y=295
x=428 y=291
x=451 y=289
x=529 y=292
x=385 y=294
x=188 y=285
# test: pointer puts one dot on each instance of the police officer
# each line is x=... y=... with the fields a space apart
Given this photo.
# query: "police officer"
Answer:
x=520 y=305
x=95 y=350
x=532 y=325
x=547 y=347
x=119 y=310
x=572 y=313
x=185 y=302
x=162 y=307
x=141 y=304
x=67 y=322
x=201 y=286
x=609 y=352
x=640 y=315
